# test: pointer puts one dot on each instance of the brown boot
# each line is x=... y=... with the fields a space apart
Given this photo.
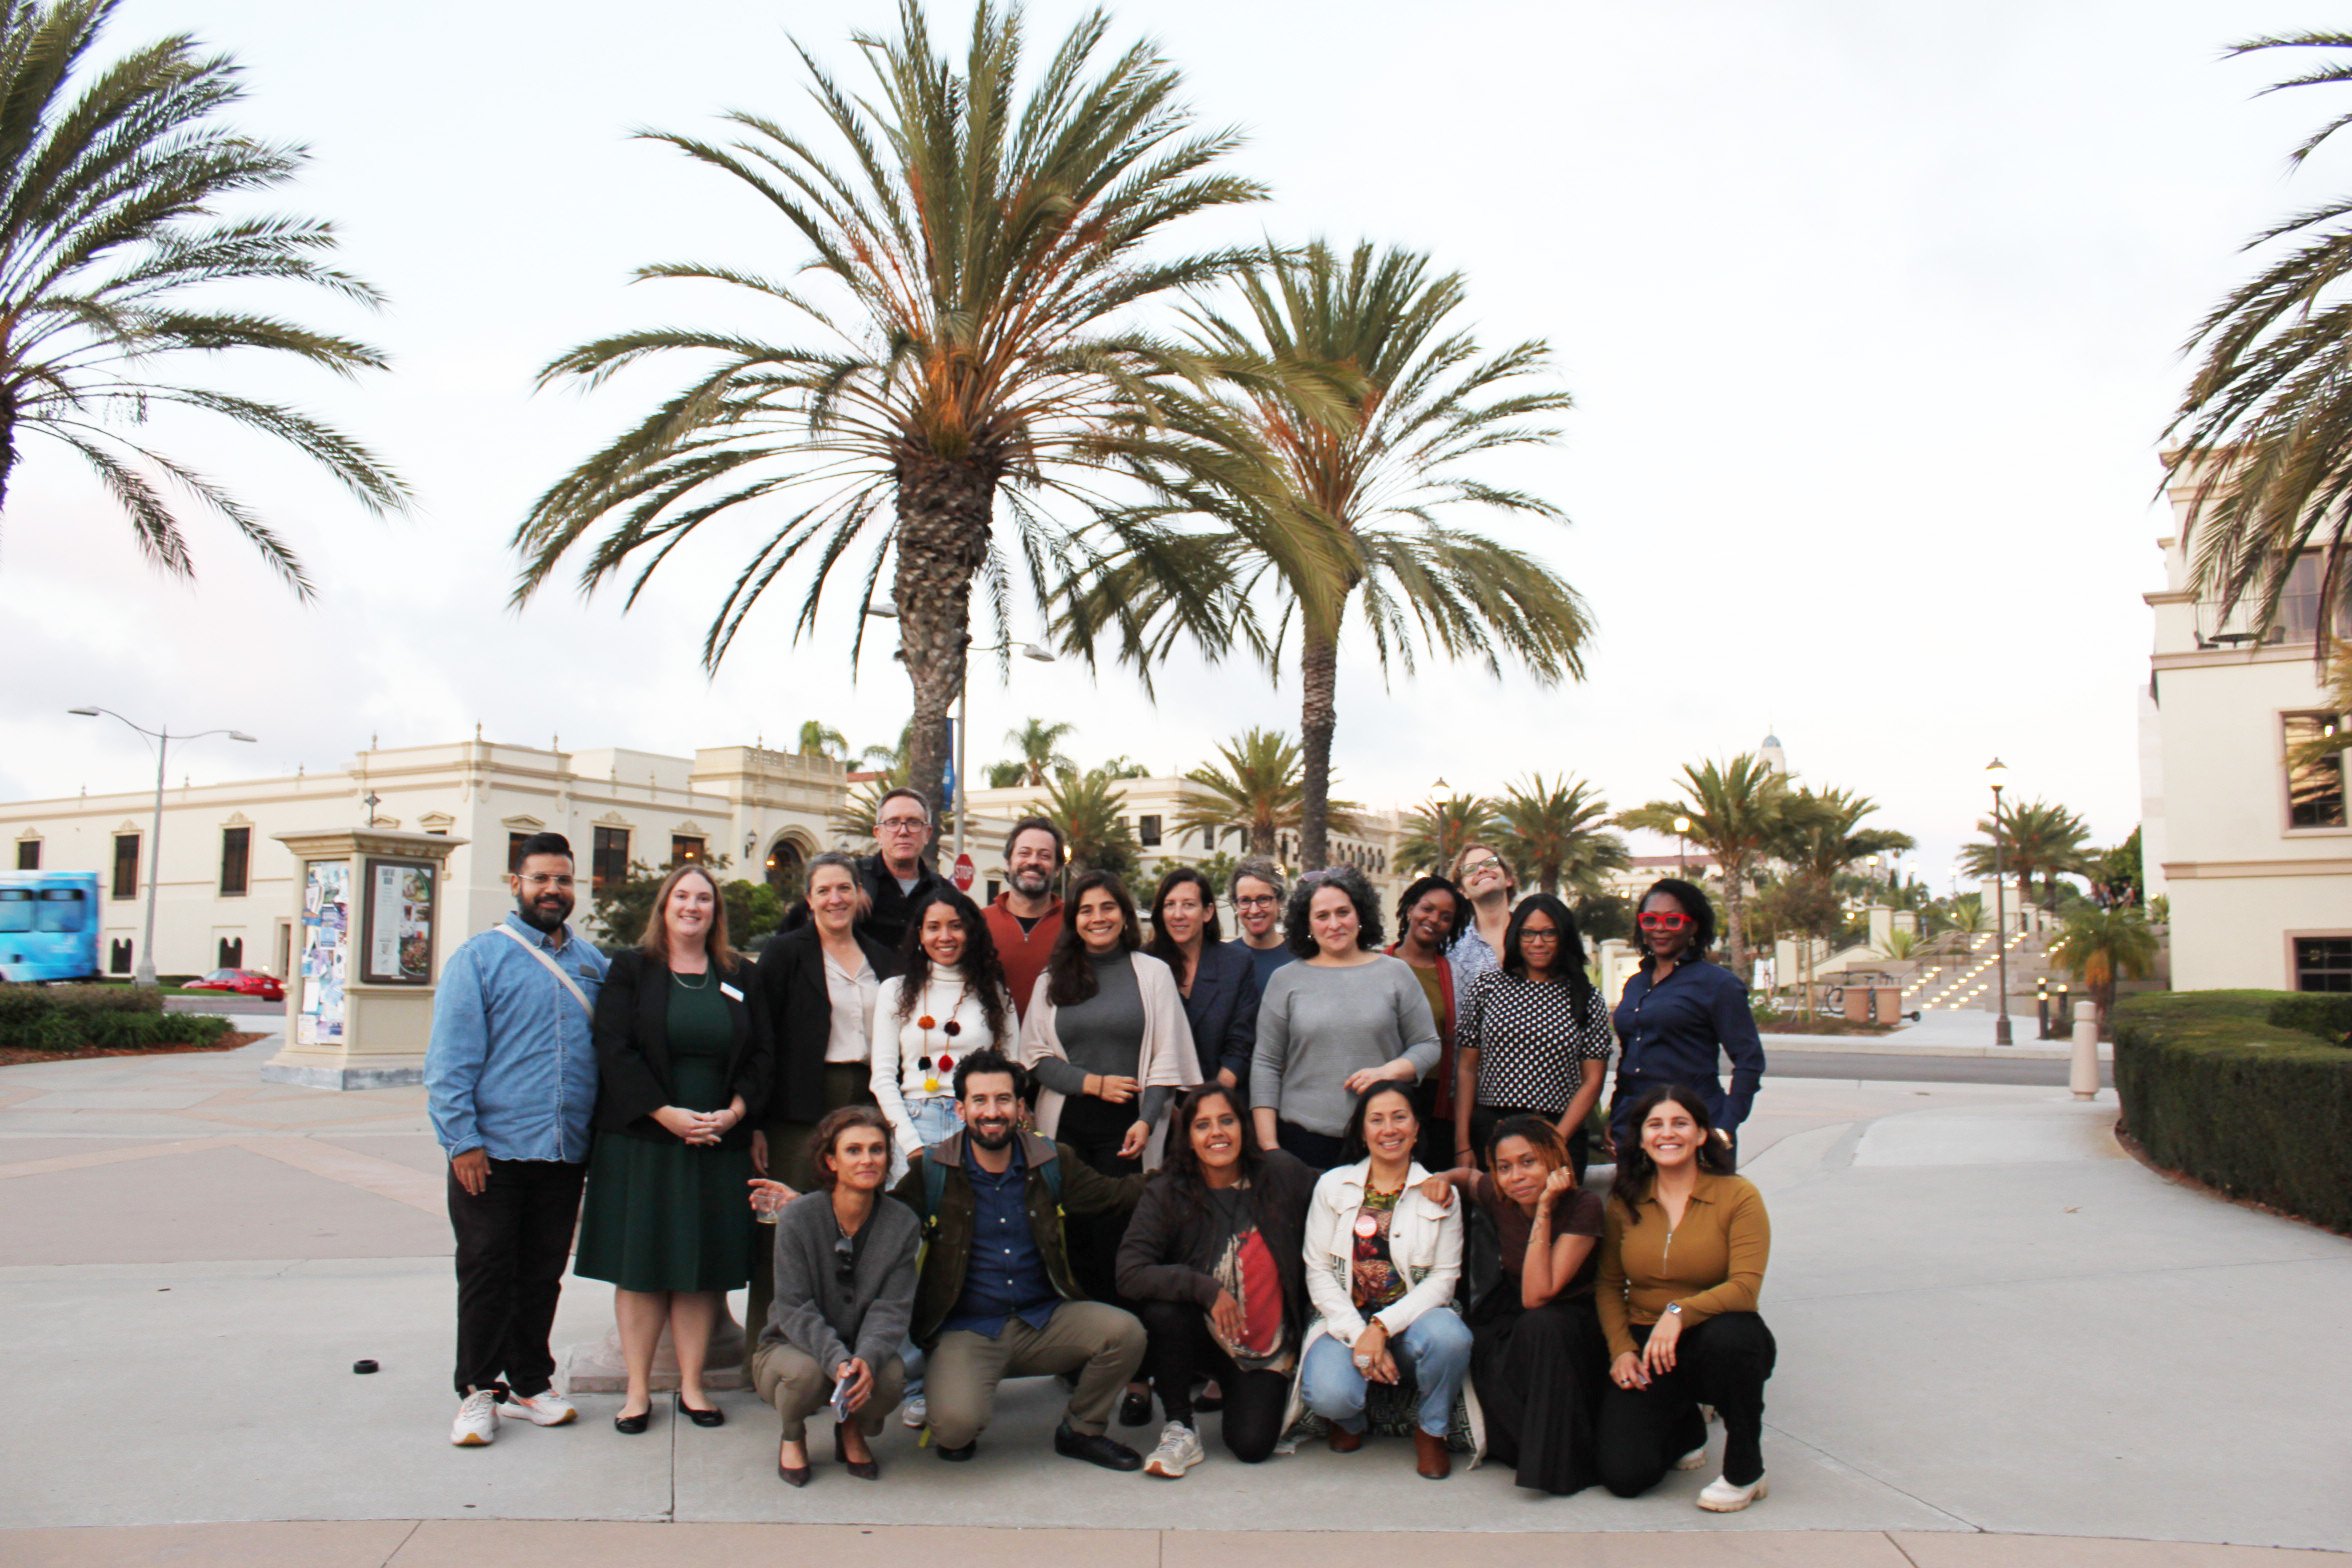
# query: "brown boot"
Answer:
x=1430 y=1456
x=1344 y=1441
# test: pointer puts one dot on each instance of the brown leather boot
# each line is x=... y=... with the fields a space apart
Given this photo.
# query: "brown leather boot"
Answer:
x=1430 y=1456
x=1344 y=1441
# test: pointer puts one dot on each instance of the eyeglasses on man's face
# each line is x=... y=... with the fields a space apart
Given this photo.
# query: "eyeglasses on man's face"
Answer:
x=902 y=825
x=541 y=880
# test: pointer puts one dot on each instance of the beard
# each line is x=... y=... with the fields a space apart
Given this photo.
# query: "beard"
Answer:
x=1029 y=882
x=546 y=913
x=991 y=1135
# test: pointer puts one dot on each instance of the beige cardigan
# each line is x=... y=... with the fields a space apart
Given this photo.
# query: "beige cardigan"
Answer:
x=1168 y=1058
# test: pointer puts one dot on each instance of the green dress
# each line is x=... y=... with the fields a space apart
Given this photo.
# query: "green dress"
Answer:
x=660 y=1215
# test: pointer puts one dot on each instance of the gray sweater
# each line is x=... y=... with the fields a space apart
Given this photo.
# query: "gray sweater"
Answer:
x=1318 y=1025
x=1103 y=1034
x=814 y=1312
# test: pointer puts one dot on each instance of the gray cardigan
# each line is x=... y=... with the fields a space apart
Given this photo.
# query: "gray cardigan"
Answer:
x=814 y=1312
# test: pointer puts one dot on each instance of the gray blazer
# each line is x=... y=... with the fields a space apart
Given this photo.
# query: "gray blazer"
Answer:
x=818 y=1315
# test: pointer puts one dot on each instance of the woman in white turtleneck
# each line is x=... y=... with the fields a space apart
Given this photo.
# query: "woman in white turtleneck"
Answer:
x=950 y=1002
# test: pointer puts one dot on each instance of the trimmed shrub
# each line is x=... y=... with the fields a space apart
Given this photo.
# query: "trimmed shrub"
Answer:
x=2215 y=1088
x=2326 y=1014
x=68 y=1017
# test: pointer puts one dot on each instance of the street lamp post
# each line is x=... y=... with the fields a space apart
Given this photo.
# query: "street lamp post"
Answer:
x=145 y=973
x=1998 y=775
x=1027 y=650
x=1682 y=826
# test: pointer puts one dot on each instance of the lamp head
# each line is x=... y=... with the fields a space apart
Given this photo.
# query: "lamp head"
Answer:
x=1996 y=774
x=1030 y=650
x=240 y=735
x=85 y=713
x=1682 y=824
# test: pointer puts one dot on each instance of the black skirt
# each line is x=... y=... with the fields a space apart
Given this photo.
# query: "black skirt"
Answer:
x=1539 y=1375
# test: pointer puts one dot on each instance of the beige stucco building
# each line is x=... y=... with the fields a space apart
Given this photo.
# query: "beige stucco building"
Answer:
x=2254 y=856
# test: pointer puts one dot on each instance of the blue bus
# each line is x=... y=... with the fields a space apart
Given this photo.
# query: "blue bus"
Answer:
x=48 y=926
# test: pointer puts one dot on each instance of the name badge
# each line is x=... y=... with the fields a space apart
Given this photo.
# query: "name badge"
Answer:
x=729 y=992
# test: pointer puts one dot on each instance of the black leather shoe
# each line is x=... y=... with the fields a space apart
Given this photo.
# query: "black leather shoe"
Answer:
x=866 y=1469
x=714 y=1416
x=631 y=1426
x=959 y=1455
x=1100 y=1449
x=1134 y=1409
x=791 y=1477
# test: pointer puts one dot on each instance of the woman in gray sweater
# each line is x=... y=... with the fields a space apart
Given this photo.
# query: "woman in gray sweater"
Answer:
x=845 y=1293
x=1342 y=1019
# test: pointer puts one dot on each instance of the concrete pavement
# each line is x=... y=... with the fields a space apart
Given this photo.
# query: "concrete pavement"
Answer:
x=1995 y=1331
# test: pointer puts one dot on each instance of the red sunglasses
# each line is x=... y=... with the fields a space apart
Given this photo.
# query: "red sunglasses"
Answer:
x=1665 y=922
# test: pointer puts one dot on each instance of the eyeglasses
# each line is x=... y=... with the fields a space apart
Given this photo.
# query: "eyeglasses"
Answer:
x=1257 y=901
x=1539 y=936
x=1665 y=922
x=1490 y=862
x=901 y=825
x=844 y=1259
x=536 y=880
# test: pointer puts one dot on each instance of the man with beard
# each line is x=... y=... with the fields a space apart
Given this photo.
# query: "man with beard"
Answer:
x=510 y=1078
x=995 y=1298
x=1026 y=917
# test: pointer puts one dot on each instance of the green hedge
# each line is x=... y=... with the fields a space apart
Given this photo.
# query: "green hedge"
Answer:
x=66 y=1017
x=2216 y=1087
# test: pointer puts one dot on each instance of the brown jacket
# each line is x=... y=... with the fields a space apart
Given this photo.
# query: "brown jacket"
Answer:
x=1712 y=1262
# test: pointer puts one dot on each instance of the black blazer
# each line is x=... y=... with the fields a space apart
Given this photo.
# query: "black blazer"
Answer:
x=1223 y=1012
x=888 y=911
x=791 y=982
x=632 y=1032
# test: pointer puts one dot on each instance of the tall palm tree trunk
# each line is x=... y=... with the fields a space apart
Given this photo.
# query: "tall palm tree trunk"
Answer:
x=1262 y=839
x=1318 y=717
x=943 y=518
x=1735 y=913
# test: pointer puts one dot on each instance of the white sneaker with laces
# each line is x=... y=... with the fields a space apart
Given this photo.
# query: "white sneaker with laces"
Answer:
x=1721 y=1497
x=1180 y=1449
x=1692 y=1460
x=547 y=1408
x=916 y=1412
x=477 y=1420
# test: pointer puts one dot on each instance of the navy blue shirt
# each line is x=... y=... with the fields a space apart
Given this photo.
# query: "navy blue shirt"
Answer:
x=1671 y=1032
x=1266 y=959
x=1005 y=1276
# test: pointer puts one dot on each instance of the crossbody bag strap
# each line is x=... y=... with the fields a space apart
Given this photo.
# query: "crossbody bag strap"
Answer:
x=553 y=968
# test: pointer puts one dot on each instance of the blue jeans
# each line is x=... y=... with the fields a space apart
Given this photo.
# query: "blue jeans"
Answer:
x=1434 y=1353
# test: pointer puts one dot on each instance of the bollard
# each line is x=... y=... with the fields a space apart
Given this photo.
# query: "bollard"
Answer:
x=2082 y=1075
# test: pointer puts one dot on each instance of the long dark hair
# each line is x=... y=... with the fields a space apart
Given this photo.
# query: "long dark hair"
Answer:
x=1567 y=958
x=1352 y=1146
x=1162 y=946
x=984 y=974
x=1069 y=968
x=1637 y=1173
x=1182 y=1168
x=1419 y=889
x=1694 y=904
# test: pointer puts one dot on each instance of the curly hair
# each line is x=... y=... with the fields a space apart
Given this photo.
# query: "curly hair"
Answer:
x=1299 y=932
x=984 y=975
x=1419 y=889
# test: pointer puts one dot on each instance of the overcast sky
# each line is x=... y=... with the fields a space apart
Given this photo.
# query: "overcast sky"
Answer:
x=1871 y=312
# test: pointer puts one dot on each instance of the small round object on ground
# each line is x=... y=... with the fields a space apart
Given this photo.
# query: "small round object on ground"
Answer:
x=363 y=1367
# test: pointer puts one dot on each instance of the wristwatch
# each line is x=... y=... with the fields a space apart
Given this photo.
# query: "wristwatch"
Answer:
x=1674 y=1307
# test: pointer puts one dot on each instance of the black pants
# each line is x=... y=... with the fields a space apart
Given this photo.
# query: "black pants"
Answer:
x=1722 y=1362
x=1320 y=1150
x=1484 y=1119
x=1182 y=1350
x=1095 y=1129
x=512 y=1245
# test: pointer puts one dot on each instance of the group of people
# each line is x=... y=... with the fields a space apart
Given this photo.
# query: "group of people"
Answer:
x=1310 y=1181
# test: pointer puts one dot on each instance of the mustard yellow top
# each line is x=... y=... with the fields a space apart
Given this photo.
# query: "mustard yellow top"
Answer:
x=1712 y=1262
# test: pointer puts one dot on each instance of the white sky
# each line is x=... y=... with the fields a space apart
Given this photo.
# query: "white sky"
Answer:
x=1871 y=311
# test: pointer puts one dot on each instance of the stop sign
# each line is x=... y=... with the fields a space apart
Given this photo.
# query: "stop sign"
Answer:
x=962 y=874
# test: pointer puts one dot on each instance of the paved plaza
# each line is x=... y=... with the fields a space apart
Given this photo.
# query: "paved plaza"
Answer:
x=1999 y=1336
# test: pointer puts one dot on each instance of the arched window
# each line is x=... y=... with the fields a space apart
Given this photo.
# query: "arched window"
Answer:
x=787 y=869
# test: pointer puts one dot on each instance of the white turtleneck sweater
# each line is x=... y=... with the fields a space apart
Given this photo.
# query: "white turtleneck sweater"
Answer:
x=909 y=1059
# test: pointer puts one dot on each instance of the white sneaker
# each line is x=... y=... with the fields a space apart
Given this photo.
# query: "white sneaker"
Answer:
x=1180 y=1449
x=477 y=1420
x=1692 y=1460
x=916 y=1412
x=1721 y=1497
x=548 y=1408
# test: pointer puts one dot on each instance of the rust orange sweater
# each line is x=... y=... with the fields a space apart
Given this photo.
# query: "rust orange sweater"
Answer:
x=1712 y=1262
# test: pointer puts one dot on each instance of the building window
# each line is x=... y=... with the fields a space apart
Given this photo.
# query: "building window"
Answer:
x=514 y=852
x=236 y=852
x=685 y=851
x=2298 y=610
x=2323 y=963
x=1147 y=830
x=126 y=865
x=232 y=953
x=608 y=864
x=2315 y=790
x=118 y=956
x=28 y=855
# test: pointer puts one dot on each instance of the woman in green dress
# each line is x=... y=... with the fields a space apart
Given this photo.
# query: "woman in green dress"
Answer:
x=682 y=1050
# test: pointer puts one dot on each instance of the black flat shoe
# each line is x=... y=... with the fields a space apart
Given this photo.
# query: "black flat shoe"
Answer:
x=711 y=1417
x=1135 y=1409
x=866 y=1469
x=1095 y=1448
x=631 y=1426
x=1206 y=1402
x=959 y=1455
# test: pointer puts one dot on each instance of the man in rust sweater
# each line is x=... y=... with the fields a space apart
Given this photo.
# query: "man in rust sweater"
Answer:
x=1026 y=917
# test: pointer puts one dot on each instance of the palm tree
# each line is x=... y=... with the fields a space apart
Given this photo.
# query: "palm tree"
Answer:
x=1330 y=516
x=1557 y=833
x=2323 y=748
x=987 y=250
x=1037 y=741
x=1087 y=808
x=1821 y=836
x=1736 y=811
x=1258 y=793
x=2036 y=836
x=111 y=242
x=1437 y=832
x=819 y=739
x=2099 y=946
x=1006 y=775
x=2264 y=432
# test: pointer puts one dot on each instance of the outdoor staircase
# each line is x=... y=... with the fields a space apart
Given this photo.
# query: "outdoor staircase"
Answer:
x=1963 y=974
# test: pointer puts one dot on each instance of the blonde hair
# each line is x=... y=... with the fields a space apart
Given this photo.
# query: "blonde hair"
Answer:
x=655 y=942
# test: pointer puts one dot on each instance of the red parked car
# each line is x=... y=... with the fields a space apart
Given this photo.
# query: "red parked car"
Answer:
x=241 y=982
